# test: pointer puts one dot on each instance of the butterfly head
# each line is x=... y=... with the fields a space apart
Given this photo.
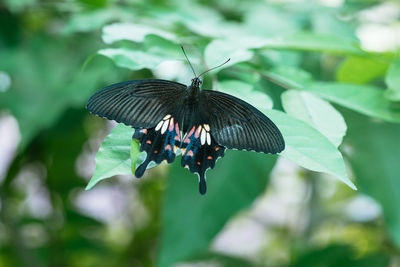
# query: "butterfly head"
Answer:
x=196 y=82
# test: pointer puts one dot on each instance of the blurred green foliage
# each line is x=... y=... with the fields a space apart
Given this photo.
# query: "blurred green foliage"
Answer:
x=336 y=103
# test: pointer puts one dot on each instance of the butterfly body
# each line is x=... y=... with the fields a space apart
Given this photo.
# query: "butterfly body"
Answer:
x=168 y=116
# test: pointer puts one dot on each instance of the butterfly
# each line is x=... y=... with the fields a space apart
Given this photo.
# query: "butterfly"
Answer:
x=168 y=116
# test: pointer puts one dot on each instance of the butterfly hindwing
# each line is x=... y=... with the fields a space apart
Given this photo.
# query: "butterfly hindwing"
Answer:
x=140 y=103
x=238 y=125
x=159 y=142
x=200 y=152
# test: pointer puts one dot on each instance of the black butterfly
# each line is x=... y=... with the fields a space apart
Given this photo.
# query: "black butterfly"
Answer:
x=168 y=115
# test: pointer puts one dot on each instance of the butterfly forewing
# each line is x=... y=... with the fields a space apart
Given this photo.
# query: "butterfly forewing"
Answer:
x=238 y=125
x=141 y=103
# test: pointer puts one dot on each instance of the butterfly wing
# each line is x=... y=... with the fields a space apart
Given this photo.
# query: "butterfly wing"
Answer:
x=139 y=103
x=153 y=107
x=238 y=125
x=200 y=152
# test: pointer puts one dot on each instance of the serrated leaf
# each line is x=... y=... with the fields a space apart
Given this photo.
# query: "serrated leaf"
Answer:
x=133 y=32
x=393 y=81
x=317 y=113
x=245 y=90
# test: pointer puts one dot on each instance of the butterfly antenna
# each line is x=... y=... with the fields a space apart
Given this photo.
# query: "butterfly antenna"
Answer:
x=220 y=65
x=188 y=61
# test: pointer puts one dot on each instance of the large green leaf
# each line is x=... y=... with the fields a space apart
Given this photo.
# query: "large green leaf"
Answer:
x=218 y=51
x=191 y=220
x=288 y=76
x=133 y=32
x=316 y=112
x=118 y=154
x=131 y=59
x=114 y=155
x=368 y=100
x=309 y=148
x=37 y=97
x=310 y=41
x=305 y=145
x=393 y=81
x=361 y=70
x=374 y=153
x=340 y=255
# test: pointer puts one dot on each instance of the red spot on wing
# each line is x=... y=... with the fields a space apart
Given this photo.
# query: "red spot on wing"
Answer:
x=171 y=124
x=148 y=142
x=143 y=131
x=178 y=138
x=190 y=153
x=209 y=157
x=187 y=140
x=198 y=163
x=168 y=147
x=197 y=134
x=217 y=148
x=155 y=151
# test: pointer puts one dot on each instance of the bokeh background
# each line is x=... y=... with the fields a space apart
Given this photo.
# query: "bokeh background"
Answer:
x=260 y=210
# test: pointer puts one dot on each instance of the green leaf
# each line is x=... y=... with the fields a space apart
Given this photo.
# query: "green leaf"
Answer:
x=218 y=51
x=133 y=32
x=135 y=152
x=317 y=113
x=393 y=81
x=93 y=20
x=133 y=60
x=34 y=90
x=5 y=81
x=119 y=154
x=309 y=41
x=246 y=91
x=374 y=156
x=340 y=255
x=368 y=100
x=114 y=155
x=308 y=148
x=190 y=220
x=305 y=145
x=289 y=76
x=361 y=70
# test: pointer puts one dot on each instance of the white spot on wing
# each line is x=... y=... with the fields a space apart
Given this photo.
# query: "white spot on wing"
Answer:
x=207 y=127
x=159 y=125
x=167 y=117
x=208 y=139
x=203 y=137
x=164 y=127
